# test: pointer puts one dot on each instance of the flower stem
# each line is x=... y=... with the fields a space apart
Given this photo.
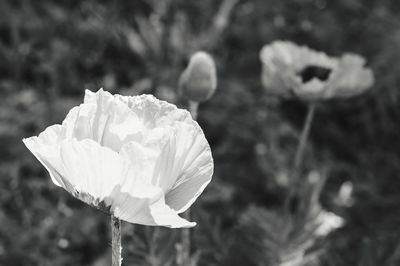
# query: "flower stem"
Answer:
x=298 y=160
x=193 y=107
x=185 y=235
x=186 y=241
x=299 y=157
x=116 y=241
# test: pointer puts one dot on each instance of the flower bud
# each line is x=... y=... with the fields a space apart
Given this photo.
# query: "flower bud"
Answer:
x=199 y=80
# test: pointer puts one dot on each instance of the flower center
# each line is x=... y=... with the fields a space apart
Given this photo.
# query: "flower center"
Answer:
x=310 y=72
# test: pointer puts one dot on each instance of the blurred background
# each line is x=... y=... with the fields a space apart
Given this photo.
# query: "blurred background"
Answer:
x=50 y=51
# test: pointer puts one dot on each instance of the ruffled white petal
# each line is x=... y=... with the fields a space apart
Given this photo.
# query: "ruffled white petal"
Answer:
x=311 y=90
x=145 y=205
x=42 y=147
x=150 y=111
x=93 y=169
x=276 y=83
x=184 y=166
x=282 y=54
x=105 y=120
x=180 y=163
x=351 y=77
x=103 y=177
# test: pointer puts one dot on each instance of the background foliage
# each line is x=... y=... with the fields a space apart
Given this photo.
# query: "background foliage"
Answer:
x=50 y=51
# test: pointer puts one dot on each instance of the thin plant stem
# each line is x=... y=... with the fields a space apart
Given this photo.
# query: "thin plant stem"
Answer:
x=116 y=241
x=220 y=22
x=186 y=235
x=186 y=241
x=299 y=156
x=193 y=108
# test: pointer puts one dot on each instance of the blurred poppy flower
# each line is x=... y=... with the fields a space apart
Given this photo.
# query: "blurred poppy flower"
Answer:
x=141 y=159
x=290 y=70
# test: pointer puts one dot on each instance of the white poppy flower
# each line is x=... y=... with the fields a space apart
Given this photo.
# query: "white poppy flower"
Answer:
x=141 y=159
x=290 y=70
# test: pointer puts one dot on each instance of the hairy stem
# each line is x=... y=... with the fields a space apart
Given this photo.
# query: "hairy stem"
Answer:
x=299 y=157
x=298 y=160
x=193 y=107
x=116 y=241
x=185 y=235
x=220 y=22
x=186 y=241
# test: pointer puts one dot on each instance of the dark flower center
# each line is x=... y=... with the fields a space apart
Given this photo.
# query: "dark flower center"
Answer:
x=310 y=72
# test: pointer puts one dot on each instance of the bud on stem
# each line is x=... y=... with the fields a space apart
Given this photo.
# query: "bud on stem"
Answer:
x=199 y=80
